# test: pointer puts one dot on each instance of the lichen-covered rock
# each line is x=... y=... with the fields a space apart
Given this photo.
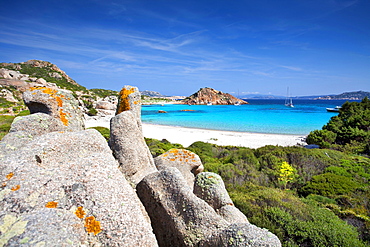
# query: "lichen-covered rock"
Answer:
x=242 y=235
x=57 y=103
x=25 y=128
x=129 y=147
x=65 y=189
x=179 y=218
x=37 y=124
x=188 y=163
x=210 y=187
x=130 y=100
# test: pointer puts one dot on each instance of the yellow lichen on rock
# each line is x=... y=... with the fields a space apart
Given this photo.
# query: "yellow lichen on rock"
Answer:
x=15 y=188
x=9 y=176
x=51 y=204
x=124 y=103
x=80 y=213
x=92 y=225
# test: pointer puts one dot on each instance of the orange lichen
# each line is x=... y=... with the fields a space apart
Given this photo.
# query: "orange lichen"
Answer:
x=15 y=188
x=51 y=204
x=9 y=176
x=92 y=225
x=59 y=101
x=124 y=103
x=80 y=213
x=63 y=117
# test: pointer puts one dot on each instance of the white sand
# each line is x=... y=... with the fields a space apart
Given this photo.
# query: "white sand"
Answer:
x=187 y=136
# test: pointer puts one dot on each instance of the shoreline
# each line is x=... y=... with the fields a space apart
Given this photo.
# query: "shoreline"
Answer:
x=186 y=136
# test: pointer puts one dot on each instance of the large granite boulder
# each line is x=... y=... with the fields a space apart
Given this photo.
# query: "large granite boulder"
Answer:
x=129 y=99
x=65 y=189
x=187 y=162
x=129 y=147
x=179 y=218
x=126 y=137
x=26 y=128
x=37 y=124
x=210 y=187
x=58 y=103
x=238 y=235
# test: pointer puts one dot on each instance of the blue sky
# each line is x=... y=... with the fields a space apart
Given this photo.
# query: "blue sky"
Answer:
x=174 y=47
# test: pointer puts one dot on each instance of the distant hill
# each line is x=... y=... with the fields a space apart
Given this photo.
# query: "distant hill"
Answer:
x=151 y=93
x=211 y=96
x=358 y=95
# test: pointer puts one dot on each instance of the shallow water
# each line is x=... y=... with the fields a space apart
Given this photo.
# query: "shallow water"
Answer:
x=259 y=116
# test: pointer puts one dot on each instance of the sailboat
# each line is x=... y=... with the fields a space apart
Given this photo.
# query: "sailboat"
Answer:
x=288 y=100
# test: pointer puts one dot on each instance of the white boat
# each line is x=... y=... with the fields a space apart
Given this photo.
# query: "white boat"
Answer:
x=209 y=103
x=237 y=103
x=335 y=109
x=288 y=100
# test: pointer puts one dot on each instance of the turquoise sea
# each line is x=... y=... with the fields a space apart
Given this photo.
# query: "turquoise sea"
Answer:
x=259 y=116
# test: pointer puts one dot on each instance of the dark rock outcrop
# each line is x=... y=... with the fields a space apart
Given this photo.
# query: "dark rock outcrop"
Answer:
x=211 y=96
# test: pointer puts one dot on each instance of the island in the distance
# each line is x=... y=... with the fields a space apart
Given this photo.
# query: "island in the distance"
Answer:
x=210 y=96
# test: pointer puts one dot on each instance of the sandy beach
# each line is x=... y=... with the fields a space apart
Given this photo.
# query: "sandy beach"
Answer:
x=187 y=136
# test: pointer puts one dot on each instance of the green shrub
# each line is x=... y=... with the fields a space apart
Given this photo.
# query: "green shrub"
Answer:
x=105 y=132
x=157 y=147
x=330 y=185
x=297 y=222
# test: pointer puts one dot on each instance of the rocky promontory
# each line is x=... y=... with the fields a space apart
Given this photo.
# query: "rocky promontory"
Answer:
x=62 y=185
x=210 y=96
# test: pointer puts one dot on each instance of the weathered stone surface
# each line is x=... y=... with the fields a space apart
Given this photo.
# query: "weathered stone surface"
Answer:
x=210 y=187
x=179 y=218
x=188 y=163
x=46 y=181
x=242 y=235
x=59 y=104
x=232 y=214
x=129 y=147
x=130 y=100
x=105 y=105
x=37 y=124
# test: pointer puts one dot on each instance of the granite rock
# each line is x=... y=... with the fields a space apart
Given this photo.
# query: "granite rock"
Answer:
x=179 y=218
x=65 y=189
x=242 y=235
x=129 y=147
x=129 y=99
x=57 y=103
x=187 y=162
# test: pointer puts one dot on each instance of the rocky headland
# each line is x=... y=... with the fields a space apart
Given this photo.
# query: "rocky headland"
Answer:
x=62 y=185
x=210 y=96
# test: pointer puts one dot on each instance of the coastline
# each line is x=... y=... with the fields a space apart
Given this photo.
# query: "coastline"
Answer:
x=187 y=136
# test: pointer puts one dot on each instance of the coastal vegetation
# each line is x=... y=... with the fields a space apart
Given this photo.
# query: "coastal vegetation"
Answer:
x=349 y=131
x=307 y=197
